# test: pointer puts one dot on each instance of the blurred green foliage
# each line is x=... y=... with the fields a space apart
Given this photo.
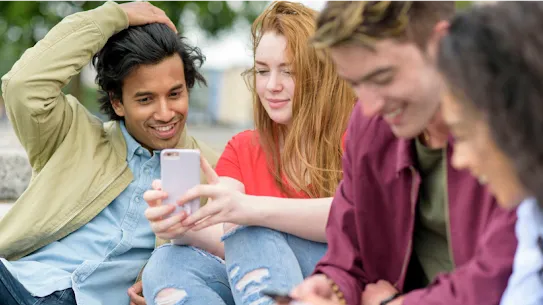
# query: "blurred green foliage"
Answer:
x=23 y=23
x=460 y=5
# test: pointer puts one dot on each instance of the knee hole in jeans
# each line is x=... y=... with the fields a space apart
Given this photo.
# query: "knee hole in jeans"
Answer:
x=251 y=284
x=170 y=296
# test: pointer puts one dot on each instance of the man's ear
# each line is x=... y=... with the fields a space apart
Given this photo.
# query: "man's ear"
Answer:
x=117 y=104
x=440 y=30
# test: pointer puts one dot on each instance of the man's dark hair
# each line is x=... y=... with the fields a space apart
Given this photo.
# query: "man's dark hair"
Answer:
x=492 y=61
x=141 y=45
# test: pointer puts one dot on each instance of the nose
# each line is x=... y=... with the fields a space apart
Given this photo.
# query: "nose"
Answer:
x=372 y=101
x=274 y=82
x=164 y=111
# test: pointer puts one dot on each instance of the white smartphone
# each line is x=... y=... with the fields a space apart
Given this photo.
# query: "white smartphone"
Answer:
x=180 y=171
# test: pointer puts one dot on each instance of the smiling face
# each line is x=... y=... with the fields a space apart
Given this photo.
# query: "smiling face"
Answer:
x=155 y=103
x=395 y=81
x=274 y=80
x=476 y=151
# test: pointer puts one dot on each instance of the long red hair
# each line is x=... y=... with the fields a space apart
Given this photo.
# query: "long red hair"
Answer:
x=310 y=159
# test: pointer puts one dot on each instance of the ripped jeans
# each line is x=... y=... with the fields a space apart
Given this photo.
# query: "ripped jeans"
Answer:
x=256 y=258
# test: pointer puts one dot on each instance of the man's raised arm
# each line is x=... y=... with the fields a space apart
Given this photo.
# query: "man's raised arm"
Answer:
x=40 y=113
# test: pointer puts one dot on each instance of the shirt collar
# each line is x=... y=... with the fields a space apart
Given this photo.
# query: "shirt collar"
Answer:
x=132 y=146
x=529 y=208
x=406 y=154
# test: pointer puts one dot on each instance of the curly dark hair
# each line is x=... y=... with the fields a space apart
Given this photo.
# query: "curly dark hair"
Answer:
x=141 y=45
x=492 y=59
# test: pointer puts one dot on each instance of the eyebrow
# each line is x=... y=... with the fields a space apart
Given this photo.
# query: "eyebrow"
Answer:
x=258 y=62
x=375 y=73
x=146 y=93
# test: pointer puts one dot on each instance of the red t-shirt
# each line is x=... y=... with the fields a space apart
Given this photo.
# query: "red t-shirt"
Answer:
x=243 y=159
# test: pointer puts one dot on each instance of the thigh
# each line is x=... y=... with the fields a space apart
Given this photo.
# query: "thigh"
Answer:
x=307 y=252
x=198 y=276
x=258 y=258
x=11 y=291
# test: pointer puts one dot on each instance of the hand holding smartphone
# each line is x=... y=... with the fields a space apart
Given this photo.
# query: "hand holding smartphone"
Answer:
x=180 y=171
x=281 y=297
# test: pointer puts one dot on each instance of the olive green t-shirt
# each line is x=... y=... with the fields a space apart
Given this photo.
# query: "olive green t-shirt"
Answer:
x=430 y=238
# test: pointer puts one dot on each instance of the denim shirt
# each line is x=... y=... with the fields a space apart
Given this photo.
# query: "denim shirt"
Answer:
x=526 y=283
x=102 y=259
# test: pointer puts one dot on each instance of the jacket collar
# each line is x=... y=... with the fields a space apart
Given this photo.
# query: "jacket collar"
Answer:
x=405 y=157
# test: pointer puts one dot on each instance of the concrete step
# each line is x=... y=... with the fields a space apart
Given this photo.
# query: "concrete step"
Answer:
x=4 y=208
x=15 y=173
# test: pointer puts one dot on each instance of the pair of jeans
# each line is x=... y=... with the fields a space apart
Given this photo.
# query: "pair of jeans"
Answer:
x=13 y=293
x=256 y=258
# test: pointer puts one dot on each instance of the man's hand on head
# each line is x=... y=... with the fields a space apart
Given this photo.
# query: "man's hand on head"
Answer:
x=140 y=13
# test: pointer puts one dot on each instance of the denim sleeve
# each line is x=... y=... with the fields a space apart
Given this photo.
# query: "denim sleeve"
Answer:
x=526 y=283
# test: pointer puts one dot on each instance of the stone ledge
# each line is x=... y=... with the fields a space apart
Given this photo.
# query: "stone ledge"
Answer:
x=15 y=173
x=4 y=208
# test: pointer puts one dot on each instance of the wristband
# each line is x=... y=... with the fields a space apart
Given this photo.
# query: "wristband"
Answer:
x=390 y=299
x=337 y=292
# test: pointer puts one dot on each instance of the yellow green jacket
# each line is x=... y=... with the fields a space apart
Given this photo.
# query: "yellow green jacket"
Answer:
x=78 y=162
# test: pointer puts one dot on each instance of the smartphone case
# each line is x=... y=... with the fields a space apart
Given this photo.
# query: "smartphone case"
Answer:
x=180 y=171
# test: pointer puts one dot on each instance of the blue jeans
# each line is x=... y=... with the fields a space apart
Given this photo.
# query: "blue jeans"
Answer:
x=256 y=258
x=197 y=276
x=13 y=293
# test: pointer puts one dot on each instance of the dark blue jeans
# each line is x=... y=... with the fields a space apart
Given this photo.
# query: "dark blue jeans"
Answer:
x=13 y=293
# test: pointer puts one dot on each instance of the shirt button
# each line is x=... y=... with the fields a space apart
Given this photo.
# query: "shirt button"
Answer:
x=146 y=171
x=137 y=199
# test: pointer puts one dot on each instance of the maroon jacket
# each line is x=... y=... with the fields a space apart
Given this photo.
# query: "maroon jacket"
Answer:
x=371 y=223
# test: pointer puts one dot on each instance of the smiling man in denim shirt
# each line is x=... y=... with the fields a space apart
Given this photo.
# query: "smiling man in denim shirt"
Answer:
x=78 y=234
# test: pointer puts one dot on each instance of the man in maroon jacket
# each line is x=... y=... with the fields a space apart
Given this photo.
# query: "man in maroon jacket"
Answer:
x=405 y=227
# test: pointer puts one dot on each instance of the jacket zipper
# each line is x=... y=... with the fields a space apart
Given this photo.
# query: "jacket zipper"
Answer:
x=410 y=245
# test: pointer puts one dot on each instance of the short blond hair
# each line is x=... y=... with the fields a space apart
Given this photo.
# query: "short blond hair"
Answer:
x=365 y=22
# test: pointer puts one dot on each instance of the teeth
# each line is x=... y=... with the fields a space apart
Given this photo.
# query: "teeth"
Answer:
x=394 y=113
x=165 y=128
